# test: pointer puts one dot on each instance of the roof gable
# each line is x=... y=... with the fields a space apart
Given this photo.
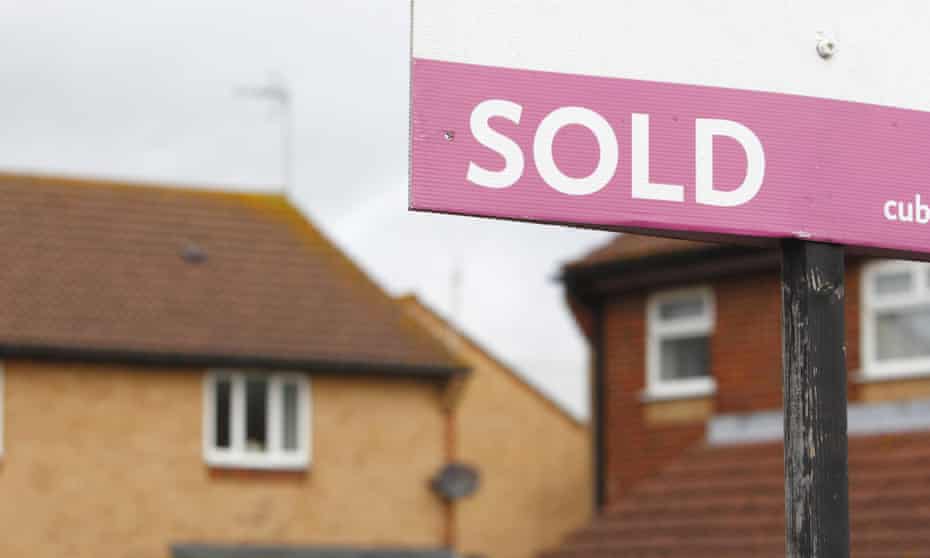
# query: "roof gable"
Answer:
x=456 y=340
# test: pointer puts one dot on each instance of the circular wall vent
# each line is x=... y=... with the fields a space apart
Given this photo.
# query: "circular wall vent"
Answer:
x=456 y=481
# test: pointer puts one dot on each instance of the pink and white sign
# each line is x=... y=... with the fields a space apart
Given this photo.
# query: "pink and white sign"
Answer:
x=711 y=118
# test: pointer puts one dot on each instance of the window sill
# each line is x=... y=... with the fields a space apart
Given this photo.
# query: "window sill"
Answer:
x=653 y=395
x=866 y=376
x=263 y=475
x=254 y=464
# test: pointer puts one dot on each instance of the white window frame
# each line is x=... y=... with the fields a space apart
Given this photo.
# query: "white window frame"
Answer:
x=658 y=329
x=237 y=456
x=872 y=368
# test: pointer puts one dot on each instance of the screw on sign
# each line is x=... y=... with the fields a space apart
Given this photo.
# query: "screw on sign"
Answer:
x=743 y=123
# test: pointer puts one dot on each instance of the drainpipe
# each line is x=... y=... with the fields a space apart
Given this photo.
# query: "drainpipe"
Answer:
x=598 y=412
x=451 y=396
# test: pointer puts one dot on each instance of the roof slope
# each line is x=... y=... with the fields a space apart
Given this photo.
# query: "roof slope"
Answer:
x=729 y=501
x=454 y=339
x=207 y=275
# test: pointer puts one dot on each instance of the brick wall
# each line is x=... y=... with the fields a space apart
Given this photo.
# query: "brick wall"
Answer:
x=107 y=461
x=641 y=436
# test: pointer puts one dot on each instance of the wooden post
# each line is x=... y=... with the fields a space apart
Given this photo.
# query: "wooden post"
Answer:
x=814 y=360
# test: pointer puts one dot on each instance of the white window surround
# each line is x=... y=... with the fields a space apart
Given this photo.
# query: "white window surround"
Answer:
x=873 y=368
x=237 y=456
x=659 y=329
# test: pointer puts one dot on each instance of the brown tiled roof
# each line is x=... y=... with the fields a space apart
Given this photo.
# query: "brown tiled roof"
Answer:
x=103 y=268
x=729 y=501
x=630 y=246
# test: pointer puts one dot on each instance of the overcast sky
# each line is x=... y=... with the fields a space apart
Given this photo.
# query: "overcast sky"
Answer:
x=144 y=90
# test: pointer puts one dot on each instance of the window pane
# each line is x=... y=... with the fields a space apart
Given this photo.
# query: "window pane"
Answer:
x=222 y=390
x=903 y=333
x=256 y=414
x=687 y=357
x=893 y=282
x=289 y=416
x=691 y=307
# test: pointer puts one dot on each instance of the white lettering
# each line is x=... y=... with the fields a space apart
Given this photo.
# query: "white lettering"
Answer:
x=494 y=140
x=889 y=214
x=642 y=188
x=906 y=212
x=608 y=156
x=705 y=130
x=608 y=151
x=923 y=212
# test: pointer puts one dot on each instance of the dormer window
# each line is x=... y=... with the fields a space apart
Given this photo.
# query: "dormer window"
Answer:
x=896 y=319
x=680 y=324
x=257 y=420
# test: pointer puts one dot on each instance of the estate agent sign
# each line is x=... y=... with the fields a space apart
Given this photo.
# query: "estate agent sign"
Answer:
x=802 y=122
x=746 y=119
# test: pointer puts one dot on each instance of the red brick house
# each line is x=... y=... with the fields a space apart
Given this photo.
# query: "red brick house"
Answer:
x=686 y=339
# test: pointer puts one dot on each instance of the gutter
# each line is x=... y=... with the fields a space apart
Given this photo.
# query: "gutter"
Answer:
x=182 y=359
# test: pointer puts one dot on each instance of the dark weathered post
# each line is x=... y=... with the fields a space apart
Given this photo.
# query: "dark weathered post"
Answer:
x=816 y=469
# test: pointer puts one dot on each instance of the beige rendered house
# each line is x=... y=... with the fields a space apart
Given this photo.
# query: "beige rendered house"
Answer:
x=192 y=374
x=202 y=374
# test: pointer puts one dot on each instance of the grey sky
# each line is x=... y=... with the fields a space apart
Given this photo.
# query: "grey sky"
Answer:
x=144 y=90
